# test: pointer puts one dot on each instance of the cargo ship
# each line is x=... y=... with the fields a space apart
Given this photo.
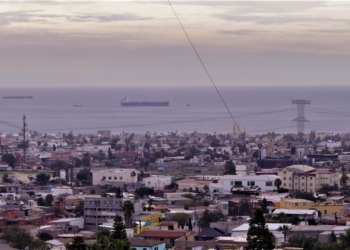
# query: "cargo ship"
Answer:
x=17 y=97
x=127 y=103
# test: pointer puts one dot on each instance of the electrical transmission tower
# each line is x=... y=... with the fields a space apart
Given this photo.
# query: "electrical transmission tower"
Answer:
x=301 y=120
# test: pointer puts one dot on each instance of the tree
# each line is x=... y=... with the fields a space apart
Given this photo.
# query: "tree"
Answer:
x=259 y=236
x=42 y=179
x=128 y=209
x=79 y=209
x=144 y=191
x=86 y=160
x=209 y=217
x=278 y=184
x=48 y=200
x=284 y=229
x=264 y=205
x=133 y=174
x=78 y=243
x=40 y=202
x=345 y=239
x=119 y=232
x=110 y=155
x=293 y=150
x=10 y=159
x=302 y=241
x=92 y=191
x=5 y=178
x=230 y=168
x=44 y=236
x=102 y=232
x=20 y=239
x=344 y=180
x=332 y=237
x=85 y=177
x=53 y=147
x=180 y=218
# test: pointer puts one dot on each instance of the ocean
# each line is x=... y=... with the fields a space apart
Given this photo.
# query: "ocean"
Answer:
x=259 y=109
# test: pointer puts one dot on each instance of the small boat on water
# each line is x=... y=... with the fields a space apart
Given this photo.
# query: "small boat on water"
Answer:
x=77 y=105
x=188 y=105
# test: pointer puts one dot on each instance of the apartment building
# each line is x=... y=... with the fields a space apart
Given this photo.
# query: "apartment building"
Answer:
x=307 y=179
x=101 y=210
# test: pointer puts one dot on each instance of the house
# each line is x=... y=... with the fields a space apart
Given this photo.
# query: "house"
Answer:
x=114 y=176
x=138 y=243
x=301 y=213
x=168 y=236
x=56 y=245
x=273 y=227
x=168 y=225
x=329 y=207
x=208 y=233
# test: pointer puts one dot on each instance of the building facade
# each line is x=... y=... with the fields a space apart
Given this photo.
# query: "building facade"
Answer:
x=100 y=210
x=226 y=182
x=113 y=176
x=307 y=179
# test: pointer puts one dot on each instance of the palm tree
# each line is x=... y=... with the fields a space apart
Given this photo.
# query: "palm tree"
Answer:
x=128 y=209
x=284 y=229
x=133 y=174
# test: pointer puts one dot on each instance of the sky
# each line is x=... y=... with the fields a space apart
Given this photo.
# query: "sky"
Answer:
x=141 y=43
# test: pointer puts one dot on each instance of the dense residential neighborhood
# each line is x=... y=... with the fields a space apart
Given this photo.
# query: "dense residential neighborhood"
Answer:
x=175 y=190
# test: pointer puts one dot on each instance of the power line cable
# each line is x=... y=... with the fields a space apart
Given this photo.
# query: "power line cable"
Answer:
x=207 y=72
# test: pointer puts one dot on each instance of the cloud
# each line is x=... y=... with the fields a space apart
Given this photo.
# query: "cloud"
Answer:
x=242 y=32
x=103 y=17
x=335 y=31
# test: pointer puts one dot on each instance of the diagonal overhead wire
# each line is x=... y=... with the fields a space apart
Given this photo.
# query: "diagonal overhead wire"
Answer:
x=207 y=72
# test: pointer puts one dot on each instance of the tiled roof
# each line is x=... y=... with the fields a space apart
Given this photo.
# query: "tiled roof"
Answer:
x=141 y=242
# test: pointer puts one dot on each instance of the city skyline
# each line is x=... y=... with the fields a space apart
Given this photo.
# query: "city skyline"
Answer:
x=134 y=44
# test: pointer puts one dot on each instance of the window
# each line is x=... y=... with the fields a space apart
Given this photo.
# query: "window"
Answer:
x=325 y=211
x=120 y=178
x=269 y=184
x=104 y=177
x=115 y=177
x=238 y=183
x=251 y=183
x=310 y=184
x=109 y=178
x=302 y=178
x=290 y=178
x=284 y=178
x=302 y=184
x=295 y=177
x=284 y=184
x=232 y=183
x=310 y=178
x=304 y=204
x=296 y=204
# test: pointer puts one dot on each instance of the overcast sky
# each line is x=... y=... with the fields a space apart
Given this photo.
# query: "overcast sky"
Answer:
x=82 y=44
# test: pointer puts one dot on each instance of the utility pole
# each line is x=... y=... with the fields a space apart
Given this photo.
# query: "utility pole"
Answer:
x=24 y=139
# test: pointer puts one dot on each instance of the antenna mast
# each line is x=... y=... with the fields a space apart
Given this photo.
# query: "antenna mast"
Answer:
x=24 y=139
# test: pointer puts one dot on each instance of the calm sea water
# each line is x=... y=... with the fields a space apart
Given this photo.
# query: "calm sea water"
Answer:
x=260 y=109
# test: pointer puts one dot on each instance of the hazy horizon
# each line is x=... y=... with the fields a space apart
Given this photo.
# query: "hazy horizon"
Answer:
x=141 y=44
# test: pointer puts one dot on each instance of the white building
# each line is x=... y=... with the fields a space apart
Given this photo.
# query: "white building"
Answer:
x=273 y=227
x=226 y=182
x=157 y=181
x=56 y=245
x=110 y=176
x=301 y=213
